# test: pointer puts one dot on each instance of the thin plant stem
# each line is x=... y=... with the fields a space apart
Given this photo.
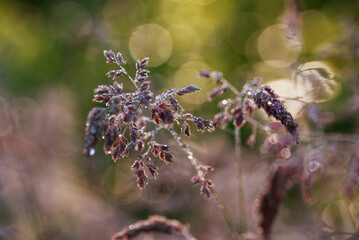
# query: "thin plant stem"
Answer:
x=257 y=124
x=350 y=215
x=197 y=166
x=335 y=138
x=299 y=99
x=241 y=197
x=231 y=87
x=129 y=77
x=225 y=213
x=132 y=118
x=195 y=163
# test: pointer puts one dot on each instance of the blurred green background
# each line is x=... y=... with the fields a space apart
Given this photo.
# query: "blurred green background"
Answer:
x=61 y=43
x=51 y=59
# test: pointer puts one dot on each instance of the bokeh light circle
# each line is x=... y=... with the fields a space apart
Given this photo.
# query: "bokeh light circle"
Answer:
x=119 y=17
x=275 y=48
x=151 y=40
x=188 y=74
x=287 y=88
x=185 y=38
x=319 y=88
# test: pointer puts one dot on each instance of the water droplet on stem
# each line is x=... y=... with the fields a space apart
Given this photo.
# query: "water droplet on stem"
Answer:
x=313 y=166
x=285 y=153
x=92 y=151
x=273 y=139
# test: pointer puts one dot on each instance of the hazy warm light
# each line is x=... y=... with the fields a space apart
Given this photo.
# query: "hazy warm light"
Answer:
x=287 y=88
x=275 y=48
x=187 y=74
x=151 y=40
x=320 y=88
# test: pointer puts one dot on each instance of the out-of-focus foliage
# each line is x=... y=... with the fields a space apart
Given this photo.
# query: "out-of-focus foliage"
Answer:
x=51 y=59
x=61 y=42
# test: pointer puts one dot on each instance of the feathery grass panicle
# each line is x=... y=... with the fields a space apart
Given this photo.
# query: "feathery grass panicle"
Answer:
x=130 y=120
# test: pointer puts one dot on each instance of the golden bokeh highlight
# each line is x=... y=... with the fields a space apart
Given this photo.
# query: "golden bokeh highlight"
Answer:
x=119 y=17
x=320 y=89
x=59 y=44
x=192 y=14
x=309 y=86
x=188 y=74
x=275 y=48
x=185 y=38
x=269 y=73
x=287 y=88
x=151 y=40
x=179 y=59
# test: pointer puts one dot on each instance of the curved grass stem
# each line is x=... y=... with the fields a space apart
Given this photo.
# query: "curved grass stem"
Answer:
x=241 y=197
x=197 y=166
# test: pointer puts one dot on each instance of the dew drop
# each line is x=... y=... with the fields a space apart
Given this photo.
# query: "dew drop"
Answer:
x=103 y=137
x=109 y=152
x=249 y=93
x=313 y=166
x=269 y=103
x=92 y=151
x=273 y=139
x=267 y=129
x=190 y=156
x=224 y=102
x=285 y=153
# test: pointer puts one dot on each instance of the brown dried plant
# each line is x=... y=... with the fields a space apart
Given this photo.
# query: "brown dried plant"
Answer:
x=295 y=164
x=154 y=224
x=143 y=115
x=239 y=110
